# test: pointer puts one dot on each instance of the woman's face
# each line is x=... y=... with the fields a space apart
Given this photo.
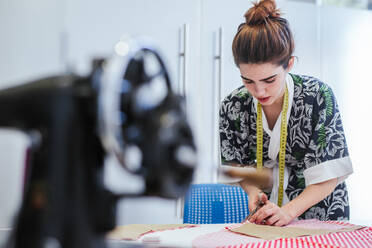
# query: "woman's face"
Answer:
x=265 y=82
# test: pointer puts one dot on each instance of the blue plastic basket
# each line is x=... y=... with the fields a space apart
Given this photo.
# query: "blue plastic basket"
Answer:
x=215 y=203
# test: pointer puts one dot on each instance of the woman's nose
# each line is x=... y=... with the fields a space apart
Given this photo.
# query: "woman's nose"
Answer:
x=260 y=89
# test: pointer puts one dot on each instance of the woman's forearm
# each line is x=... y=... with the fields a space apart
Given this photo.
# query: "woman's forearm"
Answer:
x=311 y=195
x=248 y=187
x=253 y=179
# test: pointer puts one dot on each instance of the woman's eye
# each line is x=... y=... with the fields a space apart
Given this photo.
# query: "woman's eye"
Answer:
x=247 y=82
x=270 y=81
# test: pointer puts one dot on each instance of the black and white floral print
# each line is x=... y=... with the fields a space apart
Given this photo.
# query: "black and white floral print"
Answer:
x=315 y=136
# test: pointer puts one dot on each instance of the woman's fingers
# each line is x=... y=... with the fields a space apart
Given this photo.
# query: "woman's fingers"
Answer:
x=251 y=207
x=256 y=199
x=263 y=197
x=272 y=220
x=271 y=215
x=266 y=212
x=262 y=213
x=280 y=223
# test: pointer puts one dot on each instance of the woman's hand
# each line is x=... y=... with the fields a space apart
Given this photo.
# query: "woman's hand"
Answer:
x=255 y=195
x=256 y=198
x=271 y=214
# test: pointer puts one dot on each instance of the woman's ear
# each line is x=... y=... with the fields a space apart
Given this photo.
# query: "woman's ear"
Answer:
x=290 y=64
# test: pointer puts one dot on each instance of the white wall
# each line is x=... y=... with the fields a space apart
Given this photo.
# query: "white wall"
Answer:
x=30 y=40
x=346 y=65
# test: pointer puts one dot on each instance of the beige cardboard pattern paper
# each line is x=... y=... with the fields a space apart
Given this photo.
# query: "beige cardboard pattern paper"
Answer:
x=135 y=231
x=274 y=232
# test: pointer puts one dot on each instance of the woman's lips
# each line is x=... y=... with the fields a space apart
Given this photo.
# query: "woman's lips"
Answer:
x=263 y=99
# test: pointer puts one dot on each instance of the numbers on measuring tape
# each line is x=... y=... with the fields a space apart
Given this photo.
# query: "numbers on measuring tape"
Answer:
x=259 y=137
x=283 y=142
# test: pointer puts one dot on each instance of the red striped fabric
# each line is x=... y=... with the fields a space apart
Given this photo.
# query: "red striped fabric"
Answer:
x=361 y=238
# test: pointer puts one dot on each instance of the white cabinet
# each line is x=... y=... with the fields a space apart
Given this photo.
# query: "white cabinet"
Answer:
x=167 y=22
x=225 y=17
x=91 y=29
x=219 y=75
x=346 y=36
x=175 y=27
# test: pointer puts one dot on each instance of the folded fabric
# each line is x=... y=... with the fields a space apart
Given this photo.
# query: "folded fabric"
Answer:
x=275 y=232
x=135 y=231
x=225 y=238
x=353 y=239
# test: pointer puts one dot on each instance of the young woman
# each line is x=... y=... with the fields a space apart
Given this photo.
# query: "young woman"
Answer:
x=290 y=123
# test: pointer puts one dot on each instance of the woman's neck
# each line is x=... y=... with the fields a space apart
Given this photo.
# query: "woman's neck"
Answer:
x=279 y=101
x=272 y=111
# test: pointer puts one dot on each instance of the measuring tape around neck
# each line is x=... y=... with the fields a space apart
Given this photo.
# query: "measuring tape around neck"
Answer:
x=283 y=141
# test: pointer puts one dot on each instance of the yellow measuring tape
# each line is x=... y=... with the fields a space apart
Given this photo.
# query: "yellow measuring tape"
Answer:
x=283 y=142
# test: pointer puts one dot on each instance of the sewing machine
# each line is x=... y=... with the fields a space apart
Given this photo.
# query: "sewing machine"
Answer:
x=73 y=123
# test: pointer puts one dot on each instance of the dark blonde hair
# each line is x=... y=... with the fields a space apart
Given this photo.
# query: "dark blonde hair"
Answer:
x=265 y=37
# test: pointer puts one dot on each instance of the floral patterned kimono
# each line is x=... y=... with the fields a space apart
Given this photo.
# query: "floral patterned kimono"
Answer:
x=316 y=149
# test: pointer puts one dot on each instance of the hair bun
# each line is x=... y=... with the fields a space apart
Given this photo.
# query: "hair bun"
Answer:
x=261 y=12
